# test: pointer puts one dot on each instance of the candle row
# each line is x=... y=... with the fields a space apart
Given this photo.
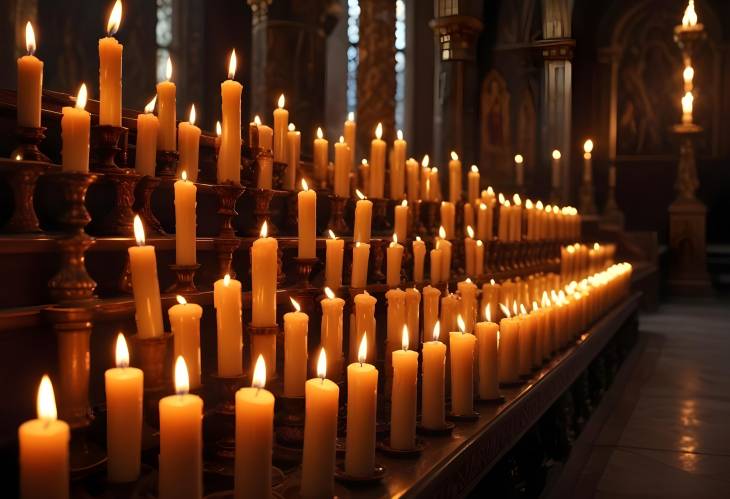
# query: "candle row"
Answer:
x=578 y=260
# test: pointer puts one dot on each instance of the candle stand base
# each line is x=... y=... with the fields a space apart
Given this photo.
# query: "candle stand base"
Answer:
x=262 y=212
x=342 y=476
x=445 y=430
x=587 y=199
x=385 y=448
x=289 y=423
x=185 y=279
x=226 y=388
x=431 y=227
x=377 y=257
x=381 y=224
x=120 y=220
x=224 y=249
x=261 y=332
x=29 y=138
x=22 y=177
x=278 y=174
x=151 y=355
x=166 y=164
x=85 y=456
x=473 y=416
x=142 y=203
x=304 y=271
x=336 y=221
x=105 y=146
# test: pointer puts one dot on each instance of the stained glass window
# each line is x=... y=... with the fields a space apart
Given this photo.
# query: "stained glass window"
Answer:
x=163 y=36
x=353 y=37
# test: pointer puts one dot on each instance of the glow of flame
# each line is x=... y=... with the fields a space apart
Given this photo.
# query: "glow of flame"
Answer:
x=342 y=140
x=545 y=302
x=436 y=331
x=138 y=231
x=483 y=206
x=322 y=365
x=319 y=132
x=184 y=176
x=461 y=324
x=295 y=304
x=505 y=310
x=516 y=198
x=115 y=19
x=264 y=229
x=362 y=352
x=523 y=311
x=500 y=198
x=182 y=379
x=350 y=116
x=687 y=102
x=291 y=127
x=168 y=68
x=688 y=74
x=404 y=203
x=305 y=186
x=329 y=293
x=227 y=280
x=519 y=159
x=218 y=129
x=395 y=240
x=29 y=38
x=281 y=102
x=418 y=238
x=150 y=107
x=470 y=231
x=454 y=156
x=257 y=120
x=181 y=300
x=359 y=194
x=331 y=234
x=122 y=352
x=425 y=161
x=514 y=307
x=232 y=62
x=442 y=232
x=488 y=312
x=690 y=15
x=474 y=169
x=480 y=243
x=399 y=134
x=535 y=307
x=46 y=401
x=191 y=118
x=81 y=97
x=588 y=146
x=404 y=337
x=379 y=131
x=259 y=373
x=556 y=154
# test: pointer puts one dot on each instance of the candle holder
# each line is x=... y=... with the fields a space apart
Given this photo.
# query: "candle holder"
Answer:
x=72 y=282
x=261 y=332
x=445 y=430
x=224 y=251
x=336 y=221
x=277 y=174
x=248 y=168
x=289 y=422
x=226 y=387
x=142 y=203
x=29 y=138
x=490 y=251
x=342 y=476
x=304 y=271
x=463 y=418
x=151 y=355
x=381 y=224
x=120 y=220
x=377 y=256
x=166 y=164
x=22 y=177
x=227 y=242
x=414 y=218
x=385 y=448
x=262 y=212
x=280 y=274
x=185 y=279
x=105 y=140
x=431 y=226
x=458 y=255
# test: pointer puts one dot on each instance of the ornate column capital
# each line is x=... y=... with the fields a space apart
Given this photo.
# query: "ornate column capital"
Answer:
x=556 y=49
x=457 y=36
x=259 y=9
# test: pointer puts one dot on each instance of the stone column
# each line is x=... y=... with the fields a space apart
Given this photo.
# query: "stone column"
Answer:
x=613 y=217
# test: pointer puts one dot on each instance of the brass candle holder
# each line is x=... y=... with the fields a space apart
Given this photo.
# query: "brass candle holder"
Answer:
x=380 y=222
x=377 y=257
x=29 y=138
x=414 y=218
x=105 y=146
x=336 y=221
x=431 y=227
x=22 y=176
x=262 y=212
x=166 y=164
x=277 y=174
x=151 y=355
x=304 y=271
x=142 y=203
x=120 y=220
x=227 y=242
x=273 y=334
x=185 y=279
x=225 y=410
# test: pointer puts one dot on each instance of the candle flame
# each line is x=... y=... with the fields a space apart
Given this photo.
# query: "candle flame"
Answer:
x=470 y=231
x=501 y=198
x=425 y=161
x=257 y=120
x=329 y=293
x=399 y=134
x=688 y=74
x=218 y=129
x=139 y=231
x=461 y=324
x=182 y=379
x=523 y=311
x=46 y=401
x=418 y=238
x=404 y=203
x=342 y=140
x=227 y=280
x=556 y=154
x=474 y=168
x=181 y=300
x=545 y=300
x=528 y=204
x=442 y=232
x=507 y=203
x=184 y=176
x=548 y=209
x=482 y=206
x=331 y=234
x=395 y=239
x=191 y=117
x=516 y=198
x=168 y=68
x=480 y=243
x=379 y=131
x=490 y=191
x=322 y=364
x=690 y=15
x=535 y=306
x=122 y=352
x=281 y=102
x=505 y=310
x=404 y=337
x=488 y=312
x=519 y=159
x=81 y=97
x=295 y=304
x=454 y=156
x=291 y=127
x=362 y=352
x=259 y=373
x=150 y=107
x=264 y=229
x=514 y=307
x=115 y=19
x=687 y=103
x=360 y=194
x=29 y=38
x=436 y=331
x=319 y=132
x=350 y=116
x=588 y=146
x=232 y=62
x=305 y=186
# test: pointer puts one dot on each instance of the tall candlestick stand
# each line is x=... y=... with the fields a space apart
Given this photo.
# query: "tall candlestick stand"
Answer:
x=381 y=224
x=142 y=203
x=277 y=174
x=268 y=341
x=304 y=271
x=377 y=257
x=185 y=279
x=612 y=214
x=166 y=164
x=262 y=212
x=151 y=355
x=587 y=198
x=22 y=177
x=29 y=138
x=414 y=219
x=227 y=242
x=225 y=409
x=105 y=146
x=336 y=221
x=120 y=220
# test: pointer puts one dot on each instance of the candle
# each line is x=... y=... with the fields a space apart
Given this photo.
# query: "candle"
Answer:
x=281 y=123
x=490 y=296
x=431 y=297
x=124 y=390
x=146 y=148
x=587 y=167
x=419 y=255
x=400 y=217
x=468 y=293
x=449 y=311
x=266 y=137
x=110 y=72
x=364 y=325
x=487 y=334
x=263 y=279
x=320 y=157
x=473 y=180
x=509 y=347
x=448 y=214
x=331 y=331
x=227 y=303
x=188 y=145
x=436 y=257
x=296 y=326
x=394 y=255
x=181 y=440
x=307 y=214
x=229 y=154
x=350 y=134
x=425 y=179
x=516 y=222
x=264 y=168
x=145 y=286
x=365 y=176
x=320 y=433
x=30 y=83
x=435 y=184
x=484 y=222
x=413 y=307
x=504 y=219
x=75 y=127
x=342 y=169
x=363 y=218
x=254 y=437
x=362 y=402
x=396 y=316
x=445 y=246
x=462 y=370
x=404 y=396
x=397 y=169
x=519 y=170
x=335 y=249
x=166 y=95
x=556 y=169
x=433 y=387
x=185 y=221
x=377 y=164
x=412 y=174
x=454 y=179
x=293 y=146
x=469 y=250
x=185 y=325
x=360 y=257
x=43 y=443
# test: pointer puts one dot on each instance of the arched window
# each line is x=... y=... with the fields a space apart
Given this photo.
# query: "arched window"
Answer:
x=163 y=36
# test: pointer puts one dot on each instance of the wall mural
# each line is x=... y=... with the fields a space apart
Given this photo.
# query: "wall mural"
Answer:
x=495 y=123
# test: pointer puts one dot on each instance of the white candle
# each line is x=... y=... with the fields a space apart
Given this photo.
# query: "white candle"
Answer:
x=185 y=325
x=110 y=71
x=473 y=179
x=454 y=178
x=404 y=396
x=167 y=110
x=434 y=379
x=363 y=219
x=30 y=83
x=487 y=334
x=331 y=331
x=185 y=221
x=556 y=169
x=448 y=214
x=342 y=169
x=412 y=176
x=320 y=155
x=462 y=370
x=360 y=257
x=188 y=139
x=519 y=170
x=335 y=249
x=75 y=128
x=362 y=401
x=281 y=123
x=397 y=169
x=419 y=255
x=307 y=223
x=350 y=133
x=146 y=148
x=400 y=216
x=227 y=303
x=394 y=256
x=145 y=286
x=377 y=164
x=431 y=297
x=365 y=325
x=229 y=154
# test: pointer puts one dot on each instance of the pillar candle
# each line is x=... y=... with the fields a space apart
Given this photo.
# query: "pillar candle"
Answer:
x=431 y=298
x=363 y=219
x=377 y=164
x=30 y=84
x=266 y=137
x=263 y=279
x=296 y=326
x=445 y=246
x=509 y=349
x=166 y=109
x=227 y=303
x=413 y=307
x=307 y=221
x=364 y=172
x=110 y=72
x=527 y=341
x=360 y=258
x=419 y=255
x=587 y=167
x=264 y=171
x=516 y=222
x=146 y=148
x=479 y=259
x=487 y=334
x=394 y=259
x=462 y=345
x=396 y=316
x=185 y=325
x=435 y=184
x=44 y=454
x=490 y=296
x=145 y=286
x=425 y=179
x=75 y=128
x=555 y=169
x=483 y=226
x=448 y=213
x=364 y=325
x=397 y=169
x=342 y=169
x=331 y=331
x=335 y=249
x=434 y=375
x=281 y=124
x=350 y=133
x=185 y=221
x=504 y=221
x=320 y=155
x=469 y=250
x=188 y=138
x=254 y=437
x=519 y=170
x=436 y=257
x=181 y=440
x=400 y=217
x=362 y=401
x=449 y=311
x=229 y=154
x=454 y=179
x=404 y=396
x=412 y=175
x=473 y=180
x=293 y=148
x=124 y=390
x=321 y=406
x=468 y=293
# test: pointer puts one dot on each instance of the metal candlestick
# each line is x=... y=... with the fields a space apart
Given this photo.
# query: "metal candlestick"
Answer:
x=105 y=146
x=227 y=386
x=142 y=203
x=336 y=221
x=262 y=212
x=29 y=138
x=381 y=224
x=304 y=271
x=166 y=164
x=227 y=242
x=431 y=227
x=264 y=341
x=151 y=355
x=120 y=220
x=377 y=256
x=22 y=177
x=185 y=279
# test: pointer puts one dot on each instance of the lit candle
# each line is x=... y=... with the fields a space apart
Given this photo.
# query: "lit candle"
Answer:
x=296 y=326
x=434 y=376
x=484 y=222
x=435 y=184
x=468 y=293
x=397 y=170
x=264 y=164
x=227 y=303
x=363 y=218
x=587 y=167
x=469 y=250
x=229 y=154
x=281 y=123
x=454 y=178
x=504 y=219
x=462 y=370
x=350 y=133
x=487 y=334
x=519 y=170
x=479 y=259
x=412 y=175
x=124 y=391
x=687 y=105
x=435 y=258
x=320 y=157
x=342 y=168
x=365 y=325
x=335 y=249
x=266 y=136
x=320 y=433
x=188 y=145
x=254 y=437
x=166 y=95
x=263 y=279
x=431 y=297
x=181 y=440
x=43 y=443
x=377 y=164
x=448 y=214
x=360 y=258
x=396 y=316
x=419 y=255
x=449 y=311
x=473 y=180
x=331 y=331
x=110 y=72
x=516 y=223
x=413 y=307
x=509 y=347
x=425 y=185
x=400 y=216
x=362 y=402
x=75 y=127
x=185 y=325
x=145 y=286
x=30 y=83
x=556 y=169
x=394 y=255
x=490 y=296
x=185 y=221
x=404 y=396
x=445 y=246
x=307 y=214
x=365 y=176
x=146 y=148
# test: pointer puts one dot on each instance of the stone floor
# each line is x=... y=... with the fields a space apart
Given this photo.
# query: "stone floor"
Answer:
x=663 y=429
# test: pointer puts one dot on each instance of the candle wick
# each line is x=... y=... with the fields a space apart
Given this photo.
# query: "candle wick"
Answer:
x=322 y=379
x=258 y=389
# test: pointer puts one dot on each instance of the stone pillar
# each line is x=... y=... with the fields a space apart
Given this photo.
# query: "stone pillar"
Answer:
x=613 y=217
